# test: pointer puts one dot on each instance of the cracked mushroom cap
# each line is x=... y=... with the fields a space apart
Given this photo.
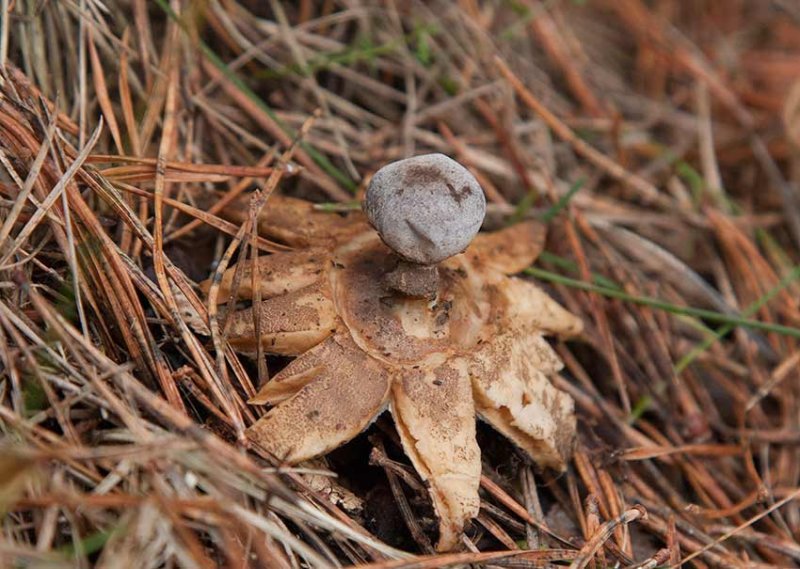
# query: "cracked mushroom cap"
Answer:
x=426 y=208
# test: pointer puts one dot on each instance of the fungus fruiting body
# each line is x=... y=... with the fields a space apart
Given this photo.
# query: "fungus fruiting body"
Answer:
x=474 y=347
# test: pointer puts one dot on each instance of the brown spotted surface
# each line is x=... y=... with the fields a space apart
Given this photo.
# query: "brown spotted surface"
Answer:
x=514 y=395
x=347 y=391
x=401 y=330
x=279 y=273
x=289 y=324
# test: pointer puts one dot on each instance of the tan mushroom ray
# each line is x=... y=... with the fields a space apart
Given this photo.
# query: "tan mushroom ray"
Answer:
x=477 y=349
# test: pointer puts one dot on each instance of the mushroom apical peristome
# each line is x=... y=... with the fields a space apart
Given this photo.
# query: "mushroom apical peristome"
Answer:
x=426 y=209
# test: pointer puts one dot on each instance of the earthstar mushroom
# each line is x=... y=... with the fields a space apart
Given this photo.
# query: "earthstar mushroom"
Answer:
x=477 y=349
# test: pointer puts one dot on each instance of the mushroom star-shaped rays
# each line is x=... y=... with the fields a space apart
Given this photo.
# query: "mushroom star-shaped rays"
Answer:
x=476 y=349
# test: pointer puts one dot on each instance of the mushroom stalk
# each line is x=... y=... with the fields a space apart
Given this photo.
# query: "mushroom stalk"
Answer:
x=414 y=280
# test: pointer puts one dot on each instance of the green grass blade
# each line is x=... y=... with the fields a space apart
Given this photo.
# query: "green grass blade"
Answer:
x=709 y=315
x=88 y=545
x=572 y=266
x=723 y=331
x=563 y=201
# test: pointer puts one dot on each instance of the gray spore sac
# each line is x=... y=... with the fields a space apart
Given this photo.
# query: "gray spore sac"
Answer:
x=426 y=208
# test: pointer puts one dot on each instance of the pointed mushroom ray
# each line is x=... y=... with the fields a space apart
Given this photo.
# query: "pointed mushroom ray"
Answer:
x=299 y=373
x=510 y=250
x=297 y=223
x=435 y=417
x=340 y=399
x=279 y=273
x=513 y=393
x=531 y=307
x=290 y=324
